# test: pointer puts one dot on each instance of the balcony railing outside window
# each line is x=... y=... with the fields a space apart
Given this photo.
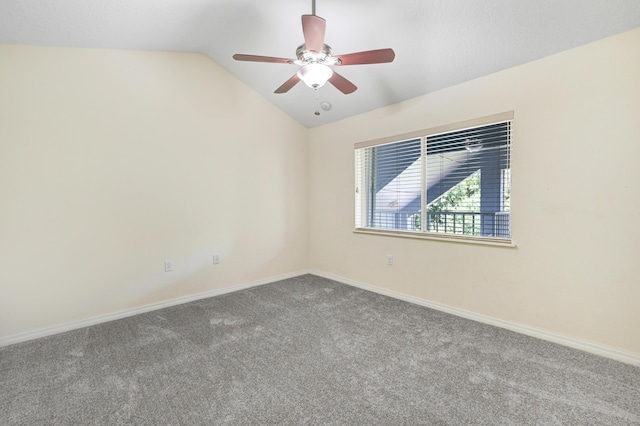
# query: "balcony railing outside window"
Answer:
x=459 y=223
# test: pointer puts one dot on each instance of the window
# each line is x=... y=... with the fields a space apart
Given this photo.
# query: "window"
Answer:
x=452 y=181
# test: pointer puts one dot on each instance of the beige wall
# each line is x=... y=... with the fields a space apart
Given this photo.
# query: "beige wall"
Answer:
x=575 y=199
x=113 y=161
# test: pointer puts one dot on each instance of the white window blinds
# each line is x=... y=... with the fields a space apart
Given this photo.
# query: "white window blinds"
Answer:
x=393 y=184
x=453 y=183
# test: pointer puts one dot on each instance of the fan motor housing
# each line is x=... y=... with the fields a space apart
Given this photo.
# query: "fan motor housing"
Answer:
x=305 y=56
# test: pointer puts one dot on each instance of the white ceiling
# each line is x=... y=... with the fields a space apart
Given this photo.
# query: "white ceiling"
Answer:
x=438 y=43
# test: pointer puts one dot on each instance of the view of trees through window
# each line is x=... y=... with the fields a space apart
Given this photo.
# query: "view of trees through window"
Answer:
x=506 y=190
x=464 y=197
x=457 y=210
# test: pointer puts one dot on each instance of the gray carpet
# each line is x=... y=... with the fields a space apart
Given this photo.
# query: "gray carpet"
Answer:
x=308 y=351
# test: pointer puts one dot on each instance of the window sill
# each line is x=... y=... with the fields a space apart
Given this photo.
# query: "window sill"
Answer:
x=495 y=242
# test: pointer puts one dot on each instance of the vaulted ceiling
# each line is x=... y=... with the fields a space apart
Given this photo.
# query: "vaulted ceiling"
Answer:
x=438 y=43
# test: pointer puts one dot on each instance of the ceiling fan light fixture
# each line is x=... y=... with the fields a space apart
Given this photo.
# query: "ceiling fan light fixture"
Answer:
x=315 y=75
x=316 y=59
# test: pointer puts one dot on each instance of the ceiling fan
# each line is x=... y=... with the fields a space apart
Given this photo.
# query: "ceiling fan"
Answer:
x=316 y=58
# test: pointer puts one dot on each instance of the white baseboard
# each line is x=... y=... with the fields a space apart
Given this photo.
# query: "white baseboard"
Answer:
x=47 y=331
x=616 y=354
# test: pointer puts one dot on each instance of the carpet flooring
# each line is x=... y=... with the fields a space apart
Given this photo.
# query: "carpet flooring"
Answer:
x=308 y=350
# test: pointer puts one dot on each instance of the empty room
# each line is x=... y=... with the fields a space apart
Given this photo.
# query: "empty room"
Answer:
x=319 y=212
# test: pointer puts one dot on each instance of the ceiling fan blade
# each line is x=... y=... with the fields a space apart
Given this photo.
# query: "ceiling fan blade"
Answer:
x=288 y=84
x=313 y=28
x=367 y=57
x=342 y=84
x=256 y=58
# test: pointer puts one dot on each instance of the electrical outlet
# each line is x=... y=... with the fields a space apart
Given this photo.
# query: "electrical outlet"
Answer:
x=389 y=260
x=216 y=259
x=168 y=265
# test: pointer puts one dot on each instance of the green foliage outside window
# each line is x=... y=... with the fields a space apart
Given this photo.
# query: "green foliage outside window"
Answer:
x=446 y=212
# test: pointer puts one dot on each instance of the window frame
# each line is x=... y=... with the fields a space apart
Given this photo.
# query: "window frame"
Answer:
x=425 y=133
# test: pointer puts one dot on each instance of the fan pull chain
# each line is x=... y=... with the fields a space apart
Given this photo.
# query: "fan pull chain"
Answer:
x=317 y=100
